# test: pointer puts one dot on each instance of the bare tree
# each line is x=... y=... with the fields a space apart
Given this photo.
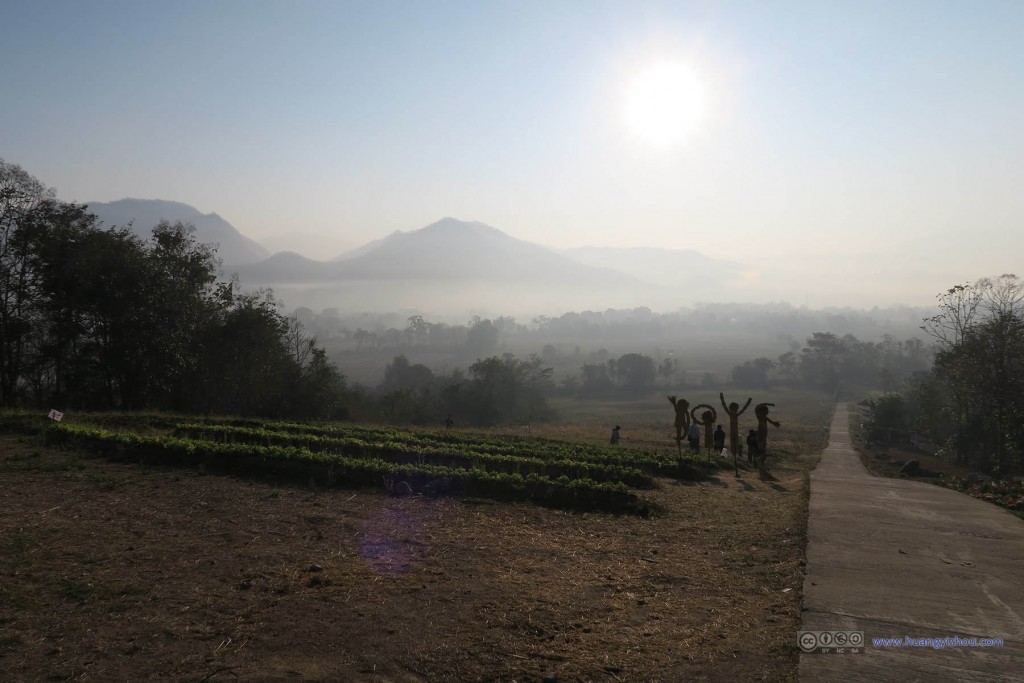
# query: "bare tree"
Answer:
x=958 y=309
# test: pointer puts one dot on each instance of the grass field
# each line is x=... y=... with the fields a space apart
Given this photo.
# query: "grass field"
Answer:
x=116 y=570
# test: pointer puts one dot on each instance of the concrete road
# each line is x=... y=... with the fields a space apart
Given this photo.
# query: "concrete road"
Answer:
x=896 y=558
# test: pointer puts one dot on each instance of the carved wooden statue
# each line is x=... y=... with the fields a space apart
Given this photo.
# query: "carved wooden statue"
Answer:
x=734 y=411
x=682 y=407
x=761 y=411
x=707 y=420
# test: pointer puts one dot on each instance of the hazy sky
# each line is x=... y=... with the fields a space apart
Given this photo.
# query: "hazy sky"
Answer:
x=878 y=142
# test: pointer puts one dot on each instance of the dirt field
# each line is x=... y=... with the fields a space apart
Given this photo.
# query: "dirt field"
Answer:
x=118 y=572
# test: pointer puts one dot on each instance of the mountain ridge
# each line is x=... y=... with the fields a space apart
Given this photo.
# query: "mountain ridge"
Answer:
x=449 y=263
x=446 y=250
x=142 y=215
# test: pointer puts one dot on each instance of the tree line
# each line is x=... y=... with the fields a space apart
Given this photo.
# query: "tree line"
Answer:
x=94 y=318
x=506 y=389
x=621 y=328
x=828 y=361
x=970 y=403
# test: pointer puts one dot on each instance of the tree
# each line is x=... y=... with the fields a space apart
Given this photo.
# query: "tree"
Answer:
x=506 y=389
x=787 y=366
x=246 y=363
x=595 y=379
x=399 y=374
x=987 y=370
x=753 y=373
x=418 y=329
x=323 y=392
x=929 y=410
x=668 y=369
x=482 y=337
x=183 y=297
x=887 y=420
x=20 y=195
x=88 y=286
x=820 y=360
x=633 y=372
x=859 y=362
x=980 y=363
x=98 y=318
x=958 y=308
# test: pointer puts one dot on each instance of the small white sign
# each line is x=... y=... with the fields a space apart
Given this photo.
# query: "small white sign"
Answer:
x=56 y=415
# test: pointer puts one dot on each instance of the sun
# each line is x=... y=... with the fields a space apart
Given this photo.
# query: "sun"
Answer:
x=665 y=104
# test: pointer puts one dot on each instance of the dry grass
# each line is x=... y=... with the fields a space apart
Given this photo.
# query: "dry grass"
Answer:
x=112 y=571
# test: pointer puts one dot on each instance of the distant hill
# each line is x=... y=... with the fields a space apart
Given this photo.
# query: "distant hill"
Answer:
x=285 y=267
x=453 y=266
x=448 y=250
x=310 y=245
x=366 y=248
x=234 y=248
x=453 y=249
x=448 y=264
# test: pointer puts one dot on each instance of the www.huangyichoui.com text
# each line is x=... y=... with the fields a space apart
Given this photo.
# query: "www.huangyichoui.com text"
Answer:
x=938 y=643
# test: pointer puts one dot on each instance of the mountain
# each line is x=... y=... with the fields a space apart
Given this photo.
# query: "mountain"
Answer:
x=447 y=266
x=366 y=248
x=144 y=214
x=448 y=250
x=310 y=245
x=456 y=250
x=285 y=267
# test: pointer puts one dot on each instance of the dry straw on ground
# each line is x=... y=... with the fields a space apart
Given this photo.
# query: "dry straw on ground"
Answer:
x=115 y=572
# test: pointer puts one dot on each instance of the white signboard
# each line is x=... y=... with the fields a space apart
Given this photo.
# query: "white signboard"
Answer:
x=56 y=415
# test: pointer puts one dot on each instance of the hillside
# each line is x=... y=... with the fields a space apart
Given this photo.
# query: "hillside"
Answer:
x=452 y=250
x=144 y=214
x=449 y=266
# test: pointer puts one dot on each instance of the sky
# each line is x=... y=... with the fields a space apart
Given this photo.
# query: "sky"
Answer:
x=874 y=144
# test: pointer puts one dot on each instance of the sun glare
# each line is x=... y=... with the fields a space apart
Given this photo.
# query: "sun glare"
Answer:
x=665 y=104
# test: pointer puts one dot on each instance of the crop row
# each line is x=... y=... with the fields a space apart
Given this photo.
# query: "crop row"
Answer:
x=409 y=452
x=648 y=462
x=327 y=469
x=651 y=462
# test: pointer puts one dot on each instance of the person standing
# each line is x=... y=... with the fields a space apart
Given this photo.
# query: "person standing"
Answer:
x=615 y=434
x=694 y=437
x=751 y=446
x=719 y=438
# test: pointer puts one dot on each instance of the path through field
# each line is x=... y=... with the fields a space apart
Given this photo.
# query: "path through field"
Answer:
x=895 y=558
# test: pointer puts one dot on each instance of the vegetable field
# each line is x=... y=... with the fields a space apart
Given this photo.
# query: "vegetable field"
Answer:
x=546 y=472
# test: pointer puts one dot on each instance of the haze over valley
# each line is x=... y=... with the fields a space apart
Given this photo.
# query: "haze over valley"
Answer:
x=729 y=191
x=453 y=269
x=858 y=155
